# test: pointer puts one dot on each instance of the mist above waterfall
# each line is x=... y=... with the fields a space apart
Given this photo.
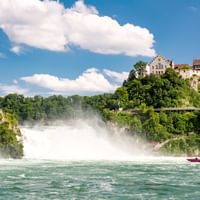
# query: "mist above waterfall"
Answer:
x=81 y=139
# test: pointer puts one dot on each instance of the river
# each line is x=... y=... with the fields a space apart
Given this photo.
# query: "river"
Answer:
x=86 y=160
x=44 y=179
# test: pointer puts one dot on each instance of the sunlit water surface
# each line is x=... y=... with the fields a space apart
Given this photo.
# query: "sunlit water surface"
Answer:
x=121 y=168
x=159 y=178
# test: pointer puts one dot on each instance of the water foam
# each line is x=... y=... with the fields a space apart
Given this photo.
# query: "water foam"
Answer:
x=86 y=140
x=80 y=140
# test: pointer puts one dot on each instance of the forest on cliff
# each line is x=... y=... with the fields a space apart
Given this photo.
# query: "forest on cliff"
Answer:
x=181 y=129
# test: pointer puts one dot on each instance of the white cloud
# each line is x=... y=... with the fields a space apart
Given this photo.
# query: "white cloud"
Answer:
x=15 y=81
x=49 y=25
x=91 y=81
x=7 y=89
x=117 y=76
x=16 y=49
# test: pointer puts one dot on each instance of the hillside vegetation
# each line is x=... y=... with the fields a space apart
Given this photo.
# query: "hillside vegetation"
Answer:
x=178 y=132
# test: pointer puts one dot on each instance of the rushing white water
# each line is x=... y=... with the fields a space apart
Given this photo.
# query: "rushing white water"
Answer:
x=85 y=140
x=80 y=140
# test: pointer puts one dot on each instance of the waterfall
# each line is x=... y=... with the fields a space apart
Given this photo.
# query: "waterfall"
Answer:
x=80 y=140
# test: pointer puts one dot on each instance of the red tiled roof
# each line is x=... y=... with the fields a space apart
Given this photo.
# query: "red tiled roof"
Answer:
x=196 y=62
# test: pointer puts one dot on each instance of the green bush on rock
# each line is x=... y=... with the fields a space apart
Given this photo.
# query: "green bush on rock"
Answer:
x=10 y=137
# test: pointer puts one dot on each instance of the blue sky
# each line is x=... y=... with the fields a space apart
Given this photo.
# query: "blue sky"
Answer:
x=92 y=46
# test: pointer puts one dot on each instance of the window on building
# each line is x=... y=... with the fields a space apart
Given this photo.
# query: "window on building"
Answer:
x=160 y=66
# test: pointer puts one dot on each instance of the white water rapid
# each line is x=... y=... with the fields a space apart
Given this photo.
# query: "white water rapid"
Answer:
x=86 y=140
x=79 y=140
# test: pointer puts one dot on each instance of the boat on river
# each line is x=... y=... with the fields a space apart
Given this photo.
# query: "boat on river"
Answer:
x=194 y=160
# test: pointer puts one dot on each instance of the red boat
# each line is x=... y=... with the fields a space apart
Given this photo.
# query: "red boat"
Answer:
x=195 y=160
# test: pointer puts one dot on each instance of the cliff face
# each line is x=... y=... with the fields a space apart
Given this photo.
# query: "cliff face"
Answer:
x=10 y=137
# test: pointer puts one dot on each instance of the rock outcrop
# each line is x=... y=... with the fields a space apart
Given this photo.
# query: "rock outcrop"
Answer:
x=10 y=137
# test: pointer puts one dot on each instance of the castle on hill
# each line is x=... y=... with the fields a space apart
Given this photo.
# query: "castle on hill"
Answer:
x=159 y=64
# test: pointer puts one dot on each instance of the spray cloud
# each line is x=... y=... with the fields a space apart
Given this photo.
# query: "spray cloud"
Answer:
x=80 y=139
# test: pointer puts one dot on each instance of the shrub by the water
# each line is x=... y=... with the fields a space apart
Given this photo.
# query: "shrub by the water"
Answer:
x=10 y=137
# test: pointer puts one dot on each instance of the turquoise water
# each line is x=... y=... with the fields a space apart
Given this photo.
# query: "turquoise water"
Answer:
x=28 y=179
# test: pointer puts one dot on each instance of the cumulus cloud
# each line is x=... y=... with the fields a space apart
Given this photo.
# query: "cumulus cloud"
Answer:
x=49 y=25
x=7 y=89
x=16 y=49
x=116 y=76
x=91 y=81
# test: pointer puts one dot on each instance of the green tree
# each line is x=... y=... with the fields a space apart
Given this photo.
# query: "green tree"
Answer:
x=138 y=71
x=140 y=68
x=153 y=129
x=121 y=95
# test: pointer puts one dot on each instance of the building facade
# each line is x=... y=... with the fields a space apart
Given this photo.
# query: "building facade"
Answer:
x=196 y=64
x=158 y=65
x=192 y=73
